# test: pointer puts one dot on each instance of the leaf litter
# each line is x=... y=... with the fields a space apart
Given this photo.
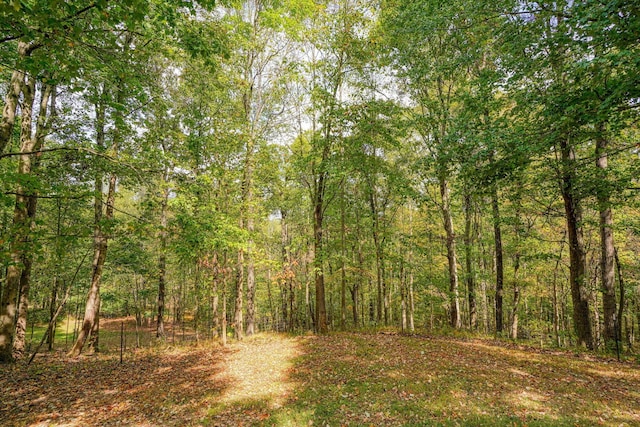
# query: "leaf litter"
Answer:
x=341 y=379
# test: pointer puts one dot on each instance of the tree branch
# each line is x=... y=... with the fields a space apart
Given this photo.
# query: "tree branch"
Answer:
x=48 y=150
x=54 y=196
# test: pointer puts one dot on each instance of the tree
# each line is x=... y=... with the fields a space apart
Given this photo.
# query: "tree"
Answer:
x=434 y=58
x=103 y=216
x=609 y=83
x=15 y=296
x=546 y=72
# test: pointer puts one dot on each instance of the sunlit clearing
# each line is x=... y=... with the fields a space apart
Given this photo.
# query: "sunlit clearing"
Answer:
x=260 y=373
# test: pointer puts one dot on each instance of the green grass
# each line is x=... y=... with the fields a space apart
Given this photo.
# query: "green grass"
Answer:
x=364 y=380
x=64 y=334
x=109 y=334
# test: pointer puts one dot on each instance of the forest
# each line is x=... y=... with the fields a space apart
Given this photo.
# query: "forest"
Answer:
x=308 y=166
x=203 y=171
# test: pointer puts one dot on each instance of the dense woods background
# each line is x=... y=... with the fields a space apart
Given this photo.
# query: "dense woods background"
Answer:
x=306 y=165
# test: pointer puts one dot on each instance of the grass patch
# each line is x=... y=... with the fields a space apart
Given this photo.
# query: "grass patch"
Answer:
x=379 y=379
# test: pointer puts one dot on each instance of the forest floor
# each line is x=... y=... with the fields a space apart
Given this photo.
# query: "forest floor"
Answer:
x=341 y=379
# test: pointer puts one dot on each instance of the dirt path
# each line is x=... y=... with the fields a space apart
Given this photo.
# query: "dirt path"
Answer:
x=258 y=371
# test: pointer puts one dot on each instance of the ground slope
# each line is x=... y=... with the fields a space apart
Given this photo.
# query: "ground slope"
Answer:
x=335 y=380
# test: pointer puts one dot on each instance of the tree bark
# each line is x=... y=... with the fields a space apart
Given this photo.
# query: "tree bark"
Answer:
x=100 y=242
x=246 y=256
x=162 y=260
x=288 y=296
x=19 y=343
x=238 y=319
x=94 y=337
x=455 y=319
x=100 y=236
x=513 y=319
x=318 y=224
x=497 y=237
x=10 y=107
x=556 y=302
x=607 y=248
x=16 y=86
x=223 y=314
x=343 y=257
x=577 y=257
x=382 y=300
x=51 y=332
x=470 y=274
x=19 y=247
x=251 y=279
x=411 y=303
x=410 y=267
x=403 y=298
x=622 y=299
x=516 y=300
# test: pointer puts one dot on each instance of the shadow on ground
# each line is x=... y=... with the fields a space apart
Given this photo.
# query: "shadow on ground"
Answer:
x=382 y=380
x=334 y=380
x=171 y=388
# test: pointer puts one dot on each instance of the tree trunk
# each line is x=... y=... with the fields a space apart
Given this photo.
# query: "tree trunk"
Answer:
x=455 y=319
x=251 y=279
x=318 y=224
x=37 y=141
x=556 y=302
x=162 y=260
x=577 y=258
x=253 y=106
x=238 y=319
x=196 y=294
x=607 y=248
x=471 y=280
x=376 y=241
x=403 y=298
x=245 y=257
x=356 y=295
x=287 y=288
x=497 y=237
x=10 y=107
x=516 y=301
x=215 y=300
x=19 y=246
x=51 y=332
x=100 y=237
x=19 y=341
x=343 y=257
x=100 y=242
x=411 y=303
x=94 y=337
x=410 y=267
x=622 y=299
x=382 y=300
x=223 y=314
x=16 y=86
x=249 y=226
x=516 y=262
